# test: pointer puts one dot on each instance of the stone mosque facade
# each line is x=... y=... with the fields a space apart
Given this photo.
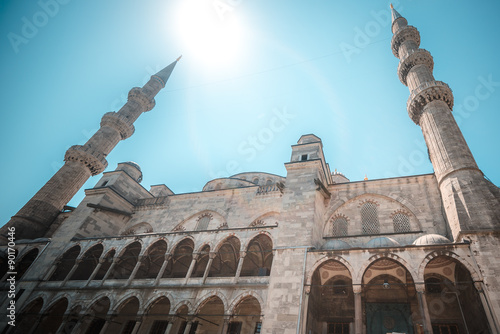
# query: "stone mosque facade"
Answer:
x=309 y=252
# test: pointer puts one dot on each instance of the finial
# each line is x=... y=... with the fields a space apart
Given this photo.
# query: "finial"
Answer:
x=392 y=7
x=179 y=58
x=366 y=178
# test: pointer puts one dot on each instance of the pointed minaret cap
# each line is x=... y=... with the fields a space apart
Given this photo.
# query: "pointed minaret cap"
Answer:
x=396 y=16
x=164 y=74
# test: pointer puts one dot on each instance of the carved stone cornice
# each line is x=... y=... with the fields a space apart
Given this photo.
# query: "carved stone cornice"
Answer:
x=402 y=35
x=87 y=157
x=418 y=57
x=136 y=94
x=119 y=123
x=426 y=93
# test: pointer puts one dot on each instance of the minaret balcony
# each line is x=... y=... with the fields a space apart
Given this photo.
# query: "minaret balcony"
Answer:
x=88 y=157
x=118 y=122
x=426 y=93
x=417 y=57
x=137 y=95
x=408 y=33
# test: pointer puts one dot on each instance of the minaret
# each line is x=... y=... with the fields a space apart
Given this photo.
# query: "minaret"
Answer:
x=469 y=199
x=83 y=161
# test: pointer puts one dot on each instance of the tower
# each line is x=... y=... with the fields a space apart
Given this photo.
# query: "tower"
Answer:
x=470 y=201
x=83 y=161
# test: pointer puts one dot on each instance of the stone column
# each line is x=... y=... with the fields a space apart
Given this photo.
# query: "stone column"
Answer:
x=211 y=258
x=188 y=326
x=358 y=310
x=162 y=269
x=240 y=265
x=225 y=325
x=170 y=325
x=305 y=307
x=96 y=270
x=191 y=267
x=138 y=323
x=71 y=272
x=51 y=270
x=110 y=270
x=494 y=326
x=424 y=309
x=137 y=266
x=109 y=319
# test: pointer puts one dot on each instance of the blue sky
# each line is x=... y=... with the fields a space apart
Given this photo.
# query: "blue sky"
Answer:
x=255 y=75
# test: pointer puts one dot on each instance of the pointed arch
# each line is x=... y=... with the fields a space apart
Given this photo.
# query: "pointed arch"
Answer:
x=391 y=256
x=181 y=257
x=88 y=262
x=53 y=317
x=106 y=264
x=259 y=256
x=320 y=262
x=126 y=261
x=476 y=276
x=227 y=257
x=239 y=298
x=65 y=263
x=152 y=260
x=25 y=262
x=28 y=317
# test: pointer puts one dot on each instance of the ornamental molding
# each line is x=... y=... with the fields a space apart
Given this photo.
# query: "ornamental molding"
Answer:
x=417 y=57
x=426 y=93
x=205 y=214
x=402 y=35
x=372 y=201
x=400 y=211
x=136 y=94
x=119 y=123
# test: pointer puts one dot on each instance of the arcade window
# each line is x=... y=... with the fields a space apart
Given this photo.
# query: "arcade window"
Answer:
x=445 y=329
x=338 y=328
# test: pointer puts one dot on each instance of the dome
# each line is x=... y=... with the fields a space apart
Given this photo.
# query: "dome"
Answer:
x=134 y=164
x=382 y=242
x=431 y=239
x=335 y=244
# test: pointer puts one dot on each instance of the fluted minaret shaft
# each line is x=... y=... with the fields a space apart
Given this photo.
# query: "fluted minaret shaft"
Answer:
x=468 y=199
x=83 y=161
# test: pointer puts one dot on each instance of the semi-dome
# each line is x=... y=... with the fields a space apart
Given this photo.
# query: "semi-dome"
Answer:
x=431 y=239
x=335 y=244
x=382 y=242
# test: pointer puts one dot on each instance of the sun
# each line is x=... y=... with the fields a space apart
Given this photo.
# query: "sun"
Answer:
x=209 y=31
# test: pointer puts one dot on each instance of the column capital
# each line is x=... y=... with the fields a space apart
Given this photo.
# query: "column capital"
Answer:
x=212 y=255
x=420 y=287
x=307 y=289
x=196 y=256
x=168 y=256
x=357 y=288
x=102 y=260
x=243 y=254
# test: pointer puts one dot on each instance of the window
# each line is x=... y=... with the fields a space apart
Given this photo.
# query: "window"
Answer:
x=401 y=222
x=303 y=157
x=445 y=329
x=104 y=183
x=129 y=327
x=269 y=182
x=257 y=328
x=234 y=327
x=369 y=218
x=338 y=328
x=255 y=180
x=203 y=223
x=339 y=227
x=159 y=327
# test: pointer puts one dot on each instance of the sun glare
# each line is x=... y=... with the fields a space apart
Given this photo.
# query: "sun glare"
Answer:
x=209 y=31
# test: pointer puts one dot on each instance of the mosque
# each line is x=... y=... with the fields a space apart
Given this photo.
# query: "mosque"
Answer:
x=309 y=252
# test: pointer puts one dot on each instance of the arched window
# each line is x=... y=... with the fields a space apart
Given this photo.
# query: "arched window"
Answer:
x=127 y=261
x=153 y=261
x=203 y=222
x=369 y=218
x=255 y=180
x=401 y=222
x=269 y=182
x=339 y=227
x=181 y=259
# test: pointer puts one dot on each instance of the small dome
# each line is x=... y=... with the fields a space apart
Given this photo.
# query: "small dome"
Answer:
x=431 y=239
x=335 y=244
x=132 y=169
x=382 y=242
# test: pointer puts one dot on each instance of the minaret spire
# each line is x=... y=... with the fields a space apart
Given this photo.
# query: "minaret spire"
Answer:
x=83 y=161
x=467 y=197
